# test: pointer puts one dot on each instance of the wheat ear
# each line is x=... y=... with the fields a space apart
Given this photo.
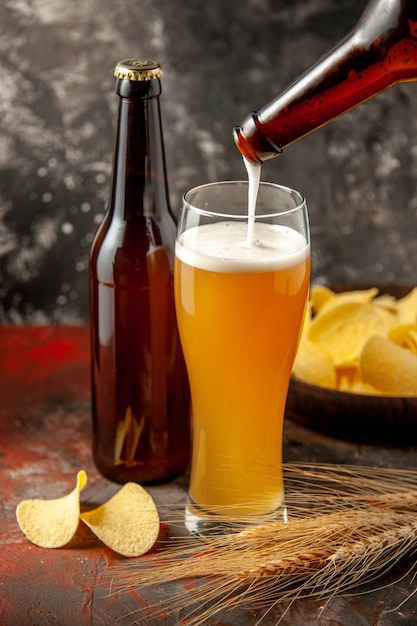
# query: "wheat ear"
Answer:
x=346 y=527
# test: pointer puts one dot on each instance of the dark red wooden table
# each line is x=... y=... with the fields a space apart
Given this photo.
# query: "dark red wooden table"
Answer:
x=45 y=439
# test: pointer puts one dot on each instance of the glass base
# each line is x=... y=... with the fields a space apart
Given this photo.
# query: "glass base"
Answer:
x=199 y=521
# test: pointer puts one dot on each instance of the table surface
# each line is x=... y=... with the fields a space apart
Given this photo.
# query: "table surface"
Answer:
x=45 y=438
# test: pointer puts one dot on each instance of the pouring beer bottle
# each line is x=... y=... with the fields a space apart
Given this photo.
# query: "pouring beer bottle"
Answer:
x=379 y=52
x=140 y=394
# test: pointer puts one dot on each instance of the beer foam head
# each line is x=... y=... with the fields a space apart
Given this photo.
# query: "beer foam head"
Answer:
x=222 y=247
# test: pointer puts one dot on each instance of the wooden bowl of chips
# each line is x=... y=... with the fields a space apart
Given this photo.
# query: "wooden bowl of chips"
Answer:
x=345 y=385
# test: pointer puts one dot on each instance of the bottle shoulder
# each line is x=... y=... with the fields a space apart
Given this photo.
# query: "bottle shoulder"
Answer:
x=114 y=230
x=122 y=247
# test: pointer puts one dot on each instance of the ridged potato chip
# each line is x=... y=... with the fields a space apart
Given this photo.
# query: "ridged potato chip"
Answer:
x=319 y=295
x=349 y=379
x=388 y=367
x=128 y=523
x=406 y=308
x=323 y=299
x=52 y=523
x=314 y=365
x=339 y=325
x=405 y=336
x=386 y=301
x=344 y=329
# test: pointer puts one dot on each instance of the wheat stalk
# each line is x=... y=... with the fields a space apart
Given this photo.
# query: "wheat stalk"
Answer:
x=347 y=526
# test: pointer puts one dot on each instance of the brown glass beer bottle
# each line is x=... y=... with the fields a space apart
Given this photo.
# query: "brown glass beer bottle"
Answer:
x=140 y=395
x=380 y=52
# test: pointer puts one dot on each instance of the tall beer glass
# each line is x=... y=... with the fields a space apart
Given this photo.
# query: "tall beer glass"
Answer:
x=241 y=288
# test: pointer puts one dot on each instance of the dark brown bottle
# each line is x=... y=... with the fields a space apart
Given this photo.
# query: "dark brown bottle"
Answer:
x=140 y=394
x=379 y=52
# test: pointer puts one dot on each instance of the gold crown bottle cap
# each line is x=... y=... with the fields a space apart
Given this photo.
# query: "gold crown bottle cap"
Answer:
x=134 y=69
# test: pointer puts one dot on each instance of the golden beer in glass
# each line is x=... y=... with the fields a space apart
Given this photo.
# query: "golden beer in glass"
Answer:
x=240 y=306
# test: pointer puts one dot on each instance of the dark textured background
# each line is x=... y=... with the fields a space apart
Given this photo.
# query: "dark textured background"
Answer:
x=221 y=60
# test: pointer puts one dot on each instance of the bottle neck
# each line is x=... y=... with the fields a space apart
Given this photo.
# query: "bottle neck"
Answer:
x=139 y=184
x=380 y=52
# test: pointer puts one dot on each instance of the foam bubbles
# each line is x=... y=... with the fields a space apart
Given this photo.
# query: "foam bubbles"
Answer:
x=222 y=247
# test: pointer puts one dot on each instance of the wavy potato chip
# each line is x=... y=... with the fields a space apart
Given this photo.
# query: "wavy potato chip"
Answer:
x=349 y=380
x=344 y=329
x=314 y=365
x=388 y=367
x=128 y=523
x=319 y=295
x=386 y=301
x=52 y=523
x=406 y=308
x=405 y=336
x=340 y=323
x=323 y=299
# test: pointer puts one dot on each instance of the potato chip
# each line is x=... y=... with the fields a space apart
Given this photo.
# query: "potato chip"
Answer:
x=388 y=367
x=128 y=523
x=347 y=377
x=386 y=301
x=319 y=295
x=324 y=299
x=349 y=380
x=344 y=329
x=340 y=324
x=405 y=336
x=314 y=365
x=52 y=523
x=406 y=308
x=364 y=388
